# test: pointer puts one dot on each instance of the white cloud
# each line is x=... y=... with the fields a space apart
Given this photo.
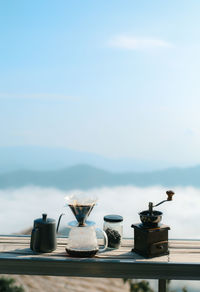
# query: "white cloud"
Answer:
x=52 y=96
x=127 y=201
x=135 y=43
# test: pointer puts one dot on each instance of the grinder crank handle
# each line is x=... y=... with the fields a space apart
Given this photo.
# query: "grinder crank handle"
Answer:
x=169 y=197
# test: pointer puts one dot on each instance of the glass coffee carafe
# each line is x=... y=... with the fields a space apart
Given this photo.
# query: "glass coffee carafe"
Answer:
x=82 y=240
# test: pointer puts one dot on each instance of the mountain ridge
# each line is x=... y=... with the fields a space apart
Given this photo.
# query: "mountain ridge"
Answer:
x=86 y=176
x=44 y=158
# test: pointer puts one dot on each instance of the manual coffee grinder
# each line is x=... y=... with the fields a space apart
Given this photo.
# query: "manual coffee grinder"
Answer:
x=150 y=236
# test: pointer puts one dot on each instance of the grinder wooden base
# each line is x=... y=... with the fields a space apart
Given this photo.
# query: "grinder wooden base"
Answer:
x=151 y=242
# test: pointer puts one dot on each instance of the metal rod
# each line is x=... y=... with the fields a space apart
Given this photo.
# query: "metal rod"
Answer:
x=160 y=203
x=150 y=208
x=162 y=285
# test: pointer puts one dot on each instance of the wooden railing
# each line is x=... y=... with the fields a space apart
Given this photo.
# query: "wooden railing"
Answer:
x=183 y=262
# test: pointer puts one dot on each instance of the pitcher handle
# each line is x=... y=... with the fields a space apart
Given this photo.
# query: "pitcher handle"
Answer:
x=105 y=240
x=34 y=245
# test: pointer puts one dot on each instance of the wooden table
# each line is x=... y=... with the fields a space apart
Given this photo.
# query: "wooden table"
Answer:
x=183 y=262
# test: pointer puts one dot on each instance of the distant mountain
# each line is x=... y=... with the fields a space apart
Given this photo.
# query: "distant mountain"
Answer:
x=44 y=158
x=86 y=177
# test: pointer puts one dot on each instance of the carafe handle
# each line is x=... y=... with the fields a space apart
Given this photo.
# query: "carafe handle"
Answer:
x=105 y=240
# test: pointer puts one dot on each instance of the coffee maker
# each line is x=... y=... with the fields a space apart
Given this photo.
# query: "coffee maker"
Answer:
x=150 y=236
x=82 y=241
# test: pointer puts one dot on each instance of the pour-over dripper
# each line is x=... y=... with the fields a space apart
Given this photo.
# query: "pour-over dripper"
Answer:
x=81 y=207
x=81 y=212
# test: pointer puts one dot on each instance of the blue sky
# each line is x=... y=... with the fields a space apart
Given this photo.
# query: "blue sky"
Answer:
x=116 y=78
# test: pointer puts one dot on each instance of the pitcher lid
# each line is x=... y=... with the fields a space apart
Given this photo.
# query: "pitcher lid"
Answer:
x=44 y=220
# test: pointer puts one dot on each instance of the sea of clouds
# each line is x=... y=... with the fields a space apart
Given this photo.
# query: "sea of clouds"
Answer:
x=19 y=207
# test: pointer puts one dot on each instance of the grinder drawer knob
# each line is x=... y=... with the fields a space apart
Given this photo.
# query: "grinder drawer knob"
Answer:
x=160 y=247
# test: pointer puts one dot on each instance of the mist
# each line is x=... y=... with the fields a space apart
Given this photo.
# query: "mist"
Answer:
x=19 y=207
